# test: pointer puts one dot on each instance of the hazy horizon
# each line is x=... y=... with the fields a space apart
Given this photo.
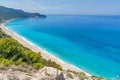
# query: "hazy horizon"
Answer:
x=66 y=7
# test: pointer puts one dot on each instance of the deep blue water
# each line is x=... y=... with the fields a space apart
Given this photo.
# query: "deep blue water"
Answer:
x=91 y=43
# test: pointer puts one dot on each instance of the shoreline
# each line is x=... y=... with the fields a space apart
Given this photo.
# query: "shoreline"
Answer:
x=44 y=54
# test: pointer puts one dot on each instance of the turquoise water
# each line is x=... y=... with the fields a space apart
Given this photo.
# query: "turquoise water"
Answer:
x=91 y=43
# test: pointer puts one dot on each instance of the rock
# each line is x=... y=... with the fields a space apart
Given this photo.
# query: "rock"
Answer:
x=12 y=77
x=60 y=77
x=49 y=73
x=46 y=73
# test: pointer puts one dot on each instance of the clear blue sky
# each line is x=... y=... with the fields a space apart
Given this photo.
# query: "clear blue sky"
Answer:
x=111 y=7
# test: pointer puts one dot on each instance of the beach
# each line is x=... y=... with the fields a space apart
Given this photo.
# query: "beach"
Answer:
x=44 y=54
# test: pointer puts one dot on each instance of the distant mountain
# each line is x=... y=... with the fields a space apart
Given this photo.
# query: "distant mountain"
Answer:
x=9 y=13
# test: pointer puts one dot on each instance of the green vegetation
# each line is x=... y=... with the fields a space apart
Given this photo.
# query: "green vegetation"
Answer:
x=9 y=13
x=13 y=53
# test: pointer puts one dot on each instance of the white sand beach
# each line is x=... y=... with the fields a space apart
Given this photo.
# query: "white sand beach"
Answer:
x=44 y=54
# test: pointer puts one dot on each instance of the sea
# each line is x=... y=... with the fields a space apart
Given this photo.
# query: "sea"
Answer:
x=89 y=42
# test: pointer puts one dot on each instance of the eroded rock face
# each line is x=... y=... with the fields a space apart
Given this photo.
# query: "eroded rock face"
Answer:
x=46 y=73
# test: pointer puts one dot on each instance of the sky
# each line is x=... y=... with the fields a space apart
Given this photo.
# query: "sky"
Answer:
x=94 y=7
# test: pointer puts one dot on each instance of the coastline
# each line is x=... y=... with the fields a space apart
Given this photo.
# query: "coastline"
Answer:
x=44 y=54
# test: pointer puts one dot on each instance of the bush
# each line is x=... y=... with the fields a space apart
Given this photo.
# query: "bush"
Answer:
x=69 y=75
x=53 y=64
x=5 y=62
x=38 y=65
x=19 y=61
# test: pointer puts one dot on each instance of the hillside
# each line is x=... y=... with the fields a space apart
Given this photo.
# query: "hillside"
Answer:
x=9 y=13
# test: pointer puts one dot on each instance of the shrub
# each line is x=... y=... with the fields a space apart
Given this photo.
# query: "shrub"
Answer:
x=5 y=62
x=19 y=61
x=38 y=65
x=69 y=75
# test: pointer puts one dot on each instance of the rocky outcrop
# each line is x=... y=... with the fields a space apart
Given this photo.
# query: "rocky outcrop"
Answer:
x=46 y=73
